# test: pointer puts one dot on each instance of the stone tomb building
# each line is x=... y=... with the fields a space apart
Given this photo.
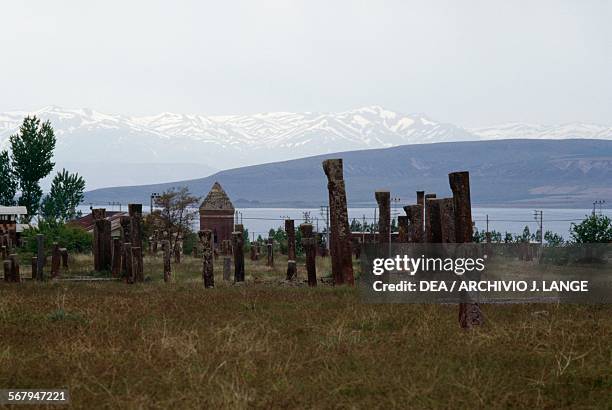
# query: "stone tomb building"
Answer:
x=217 y=214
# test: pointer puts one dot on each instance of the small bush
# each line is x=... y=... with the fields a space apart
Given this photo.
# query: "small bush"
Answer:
x=74 y=238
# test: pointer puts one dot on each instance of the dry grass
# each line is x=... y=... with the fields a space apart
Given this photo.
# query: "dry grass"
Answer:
x=265 y=345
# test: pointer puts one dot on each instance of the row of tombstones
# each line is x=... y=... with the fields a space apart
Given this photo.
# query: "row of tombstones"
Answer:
x=12 y=267
x=430 y=220
x=123 y=256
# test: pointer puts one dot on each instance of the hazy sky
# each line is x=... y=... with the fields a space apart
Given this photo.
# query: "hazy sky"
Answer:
x=467 y=62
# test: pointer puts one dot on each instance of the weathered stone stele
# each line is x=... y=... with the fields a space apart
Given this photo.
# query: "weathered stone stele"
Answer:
x=167 y=263
x=238 y=248
x=469 y=312
x=414 y=215
x=206 y=239
x=383 y=198
x=55 y=260
x=340 y=234
x=310 y=249
x=291 y=265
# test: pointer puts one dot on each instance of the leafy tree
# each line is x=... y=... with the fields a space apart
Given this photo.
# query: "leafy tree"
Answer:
x=177 y=213
x=72 y=237
x=8 y=184
x=593 y=229
x=32 y=151
x=65 y=195
x=553 y=239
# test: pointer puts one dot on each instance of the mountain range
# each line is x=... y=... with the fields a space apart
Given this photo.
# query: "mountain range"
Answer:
x=113 y=149
x=505 y=173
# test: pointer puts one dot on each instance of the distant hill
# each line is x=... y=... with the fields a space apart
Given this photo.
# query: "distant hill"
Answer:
x=114 y=149
x=547 y=173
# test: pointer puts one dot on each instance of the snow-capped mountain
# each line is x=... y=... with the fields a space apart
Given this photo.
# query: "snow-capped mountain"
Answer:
x=205 y=143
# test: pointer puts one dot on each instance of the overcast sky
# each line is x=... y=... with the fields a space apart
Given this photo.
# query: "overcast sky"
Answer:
x=466 y=62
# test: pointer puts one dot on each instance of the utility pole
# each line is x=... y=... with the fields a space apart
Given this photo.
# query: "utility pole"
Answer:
x=599 y=203
x=487 y=223
x=539 y=216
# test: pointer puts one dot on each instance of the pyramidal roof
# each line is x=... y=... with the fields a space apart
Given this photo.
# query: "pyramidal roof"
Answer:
x=217 y=199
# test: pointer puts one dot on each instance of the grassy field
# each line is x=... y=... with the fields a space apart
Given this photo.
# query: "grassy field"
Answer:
x=268 y=344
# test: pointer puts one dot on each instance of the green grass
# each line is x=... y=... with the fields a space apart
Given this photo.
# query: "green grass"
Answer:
x=268 y=345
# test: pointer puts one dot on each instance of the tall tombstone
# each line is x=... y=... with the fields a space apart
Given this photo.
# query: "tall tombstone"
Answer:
x=420 y=195
x=117 y=258
x=34 y=267
x=238 y=247
x=428 y=218
x=403 y=224
x=270 y=249
x=253 y=251
x=40 y=254
x=383 y=198
x=102 y=251
x=206 y=239
x=138 y=269
x=55 y=260
x=414 y=215
x=310 y=249
x=3 y=252
x=14 y=275
x=128 y=262
x=167 y=265
x=340 y=233
x=64 y=254
x=469 y=312
x=291 y=265
x=135 y=213
x=126 y=237
x=6 y=264
x=178 y=249
x=227 y=268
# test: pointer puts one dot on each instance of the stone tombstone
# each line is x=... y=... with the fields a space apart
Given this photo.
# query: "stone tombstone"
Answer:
x=470 y=314
x=310 y=249
x=56 y=258
x=14 y=275
x=40 y=254
x=129 y=262
x=167 y=265
x=270 y=249
x=6 y=264
x=340 y=233
x=402 y=228
x=138 y=269
x=227 y=268
x=206 y=239
x=291 y=265
x=116 y=258
x=414 y=214
x=383 y=199
x=238 y=248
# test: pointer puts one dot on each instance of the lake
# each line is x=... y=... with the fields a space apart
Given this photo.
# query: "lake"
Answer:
x=260 y=220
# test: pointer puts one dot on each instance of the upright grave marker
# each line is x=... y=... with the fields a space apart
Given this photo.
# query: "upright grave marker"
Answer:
x=383 y=198
x=291 y=265
x=238 y=247
x=469 y=312
x=206 y=239
x=340 y=233
x=310 y=249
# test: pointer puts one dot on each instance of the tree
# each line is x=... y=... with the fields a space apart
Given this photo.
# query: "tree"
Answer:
x=32 y=151
x=8 y=184
x=593 y=229
x=553 y=239
x=65 y=195
x=177 y=214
